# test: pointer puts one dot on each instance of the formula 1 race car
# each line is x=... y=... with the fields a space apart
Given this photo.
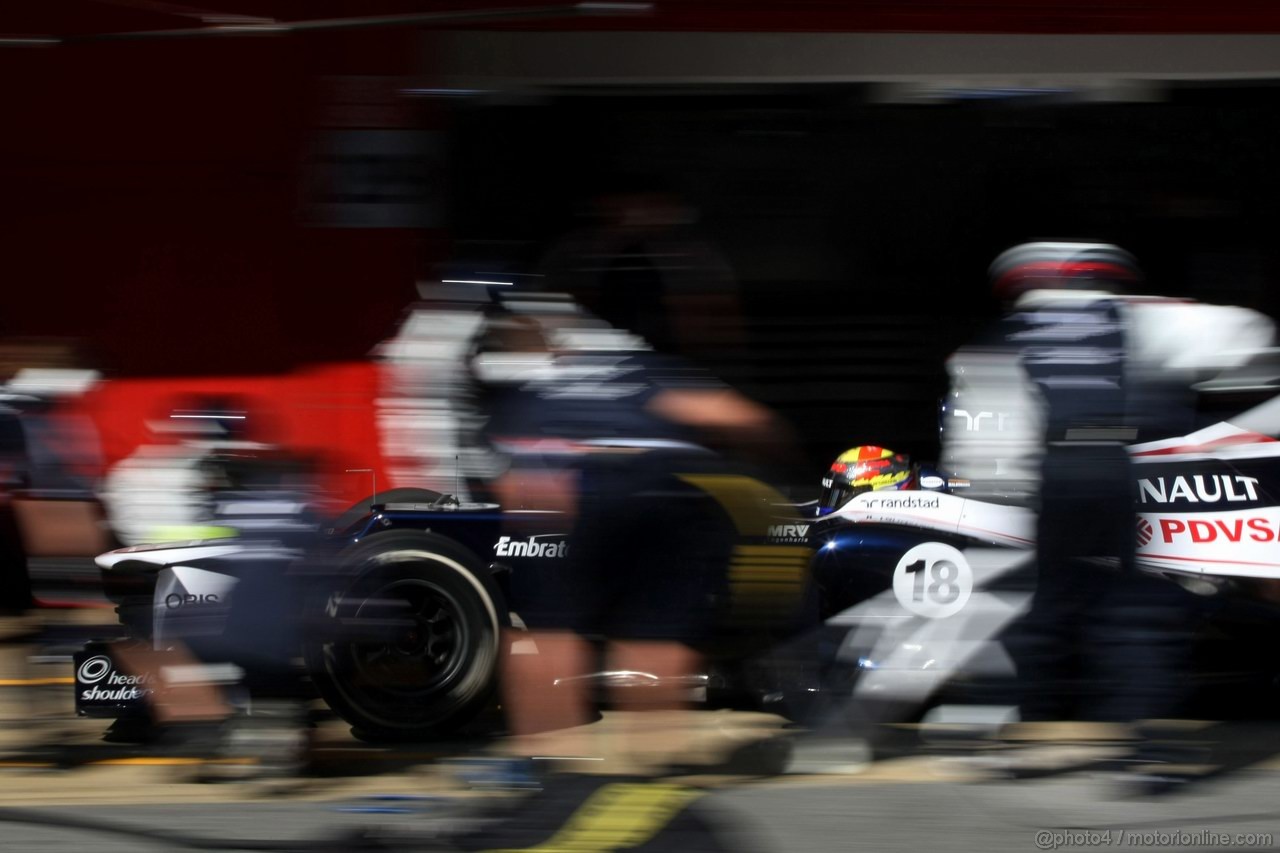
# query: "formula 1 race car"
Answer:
x=400 y=613
x=397 y=612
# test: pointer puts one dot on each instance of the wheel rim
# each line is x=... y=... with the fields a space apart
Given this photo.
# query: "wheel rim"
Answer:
x=419 y=659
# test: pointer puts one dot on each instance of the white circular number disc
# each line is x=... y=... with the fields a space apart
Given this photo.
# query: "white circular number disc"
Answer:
x=933 y=580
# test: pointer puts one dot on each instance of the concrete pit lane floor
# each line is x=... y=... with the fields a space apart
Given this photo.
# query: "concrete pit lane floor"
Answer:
x=1057 y=786
x=939 y=802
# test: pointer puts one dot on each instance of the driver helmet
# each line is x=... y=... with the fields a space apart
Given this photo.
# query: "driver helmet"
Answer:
x=865 y=468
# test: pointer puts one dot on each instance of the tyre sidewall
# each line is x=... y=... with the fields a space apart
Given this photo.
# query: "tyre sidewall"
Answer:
x=452 y=573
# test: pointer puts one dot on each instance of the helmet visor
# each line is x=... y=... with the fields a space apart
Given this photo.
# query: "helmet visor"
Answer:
x=836 y=495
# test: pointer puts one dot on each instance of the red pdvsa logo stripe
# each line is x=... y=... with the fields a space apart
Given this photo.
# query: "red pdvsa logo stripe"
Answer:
x=1226 y=441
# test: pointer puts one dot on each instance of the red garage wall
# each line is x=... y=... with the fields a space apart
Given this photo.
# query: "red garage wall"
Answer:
x=151 y=205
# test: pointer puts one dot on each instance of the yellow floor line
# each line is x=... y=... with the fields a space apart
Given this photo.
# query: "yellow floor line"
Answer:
x=169 y=761
x=36 y=682
x=147 y=762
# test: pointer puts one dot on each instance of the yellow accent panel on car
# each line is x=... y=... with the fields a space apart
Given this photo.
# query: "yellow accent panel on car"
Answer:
x=751 y=504
x=766 y=582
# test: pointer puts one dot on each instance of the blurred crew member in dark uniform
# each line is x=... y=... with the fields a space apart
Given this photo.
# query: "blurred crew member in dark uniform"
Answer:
x=1101 y=641
x=1072 y=340
x=616 y=439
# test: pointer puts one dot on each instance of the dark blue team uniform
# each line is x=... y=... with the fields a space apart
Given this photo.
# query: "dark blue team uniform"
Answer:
x=648 y=552
x=1102 y=641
